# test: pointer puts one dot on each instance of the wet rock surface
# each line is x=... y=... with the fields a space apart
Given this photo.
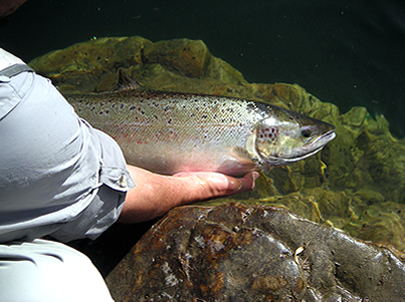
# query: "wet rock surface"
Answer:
x=235 y=252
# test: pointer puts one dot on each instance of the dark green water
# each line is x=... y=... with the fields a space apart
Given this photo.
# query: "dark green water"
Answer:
x=350 y=53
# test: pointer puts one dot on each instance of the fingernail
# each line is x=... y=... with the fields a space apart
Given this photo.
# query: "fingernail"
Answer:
x=235 y=184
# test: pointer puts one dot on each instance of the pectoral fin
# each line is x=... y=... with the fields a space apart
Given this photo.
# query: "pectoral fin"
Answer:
x=243 y=163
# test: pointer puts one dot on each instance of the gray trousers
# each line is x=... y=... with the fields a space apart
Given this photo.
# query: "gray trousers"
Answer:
x=45 y=271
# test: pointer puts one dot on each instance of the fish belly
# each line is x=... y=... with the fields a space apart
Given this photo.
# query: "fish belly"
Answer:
x=172 y=150
x=172 y=159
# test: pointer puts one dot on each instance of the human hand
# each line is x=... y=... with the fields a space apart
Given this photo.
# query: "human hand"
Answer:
x=156 y=194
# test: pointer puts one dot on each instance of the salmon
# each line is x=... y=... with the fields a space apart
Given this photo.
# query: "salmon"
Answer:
x=167 y=132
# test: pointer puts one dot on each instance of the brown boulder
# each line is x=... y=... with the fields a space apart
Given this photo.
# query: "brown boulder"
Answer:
x=234 y=252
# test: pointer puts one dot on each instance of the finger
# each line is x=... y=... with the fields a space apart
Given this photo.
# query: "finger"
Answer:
x=217 y=184
x=248 y=182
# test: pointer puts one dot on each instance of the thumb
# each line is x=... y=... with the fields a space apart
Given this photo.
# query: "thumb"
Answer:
x=211 y=184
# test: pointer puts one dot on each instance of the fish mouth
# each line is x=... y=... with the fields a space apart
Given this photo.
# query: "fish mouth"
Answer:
x=320 y=141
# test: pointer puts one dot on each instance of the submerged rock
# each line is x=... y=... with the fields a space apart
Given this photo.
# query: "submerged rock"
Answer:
x=185 y=57
x=234 y=252
x=173 y=65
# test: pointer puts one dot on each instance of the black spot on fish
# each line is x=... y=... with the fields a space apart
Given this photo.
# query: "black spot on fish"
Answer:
x=169 y=121
x=122 y=106
x=250 y=106
x=132 y=107
x=107 y=111
x=167 y=108
x=192 y=115
x=204 y=116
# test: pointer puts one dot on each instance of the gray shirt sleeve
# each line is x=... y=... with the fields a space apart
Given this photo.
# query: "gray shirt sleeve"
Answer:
x=52 y=164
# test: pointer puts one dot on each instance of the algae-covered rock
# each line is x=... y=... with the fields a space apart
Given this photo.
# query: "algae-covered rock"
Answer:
x=82 y=66
x=363 y=162
x=253 y=253
x=185 y=57
x=173 y=65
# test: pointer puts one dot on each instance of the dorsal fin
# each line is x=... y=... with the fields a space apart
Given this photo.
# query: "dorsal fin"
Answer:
x=125 y=82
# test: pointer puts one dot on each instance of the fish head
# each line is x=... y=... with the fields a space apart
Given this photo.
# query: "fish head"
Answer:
x=284 y=137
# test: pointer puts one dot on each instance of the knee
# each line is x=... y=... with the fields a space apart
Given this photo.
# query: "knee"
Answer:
x=48 y=271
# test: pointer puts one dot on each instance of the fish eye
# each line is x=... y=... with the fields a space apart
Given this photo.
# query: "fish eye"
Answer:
x=306 y=132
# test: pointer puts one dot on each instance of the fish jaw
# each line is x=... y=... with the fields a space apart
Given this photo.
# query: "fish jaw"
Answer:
x=321 y=142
